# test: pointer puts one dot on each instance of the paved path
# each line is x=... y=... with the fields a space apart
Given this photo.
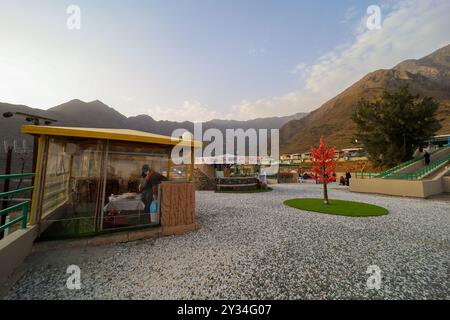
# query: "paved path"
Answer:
x=252 y=246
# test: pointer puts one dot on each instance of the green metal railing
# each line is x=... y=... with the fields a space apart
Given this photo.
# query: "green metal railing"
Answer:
x=419 y=174
x=387 y=173
x=23 y=206
x=366 y=175
x=403 y=165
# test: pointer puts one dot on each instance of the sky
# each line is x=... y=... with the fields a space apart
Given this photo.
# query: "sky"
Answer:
x=204 y=59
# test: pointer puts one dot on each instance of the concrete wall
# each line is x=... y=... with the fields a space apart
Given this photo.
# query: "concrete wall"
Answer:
x=392 y=187
x=446 y=184
x=409 y=188
x=432 y=187
x=405 y=188
x=13 y=250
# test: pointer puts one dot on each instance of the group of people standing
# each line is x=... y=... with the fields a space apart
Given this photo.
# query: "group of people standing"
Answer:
x=345 y=180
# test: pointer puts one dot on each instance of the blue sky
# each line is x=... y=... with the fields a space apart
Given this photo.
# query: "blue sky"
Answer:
x=199 y=59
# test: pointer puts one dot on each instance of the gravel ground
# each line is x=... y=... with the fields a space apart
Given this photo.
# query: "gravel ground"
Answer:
x=251 y=246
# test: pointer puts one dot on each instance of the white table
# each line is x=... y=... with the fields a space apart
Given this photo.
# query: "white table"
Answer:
x=125 y=204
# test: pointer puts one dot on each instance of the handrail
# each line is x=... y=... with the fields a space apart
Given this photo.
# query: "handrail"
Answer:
x=16 y=176
x=421 y=172
x=363 y=175
x=12 y=192
x=388 y=172
x=24 y=206
x=399 y=167
x=431 y=167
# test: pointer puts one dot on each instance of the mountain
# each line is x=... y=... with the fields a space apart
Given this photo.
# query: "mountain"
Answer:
x=75 y=113
x=96 y=114
x=429 y=76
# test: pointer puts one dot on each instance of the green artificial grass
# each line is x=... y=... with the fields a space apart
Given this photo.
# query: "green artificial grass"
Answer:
x=337 y=207
x=245 y=191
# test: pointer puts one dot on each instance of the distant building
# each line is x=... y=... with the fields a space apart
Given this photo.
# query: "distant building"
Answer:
x=441 y=140
x=306 y=156
x=349 y=154
x=291 y=158
x=353 y=154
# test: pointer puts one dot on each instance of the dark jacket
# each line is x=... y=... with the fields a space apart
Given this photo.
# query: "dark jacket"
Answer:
x=427 y=157
x=150 y=181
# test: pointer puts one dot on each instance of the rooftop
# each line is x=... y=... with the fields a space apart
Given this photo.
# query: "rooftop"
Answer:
x=108 y=134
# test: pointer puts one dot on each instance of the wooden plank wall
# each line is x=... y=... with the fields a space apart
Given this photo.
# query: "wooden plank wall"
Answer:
x=177 y=203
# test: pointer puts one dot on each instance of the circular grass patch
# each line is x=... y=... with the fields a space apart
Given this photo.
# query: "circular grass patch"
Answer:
x=337 y=207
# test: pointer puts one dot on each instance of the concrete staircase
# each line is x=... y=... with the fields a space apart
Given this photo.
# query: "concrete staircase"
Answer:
x=416 y=164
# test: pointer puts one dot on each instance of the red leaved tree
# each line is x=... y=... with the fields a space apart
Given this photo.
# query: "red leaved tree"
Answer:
x=323 y=166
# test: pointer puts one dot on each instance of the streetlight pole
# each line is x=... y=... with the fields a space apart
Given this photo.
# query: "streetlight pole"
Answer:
x=36 y=120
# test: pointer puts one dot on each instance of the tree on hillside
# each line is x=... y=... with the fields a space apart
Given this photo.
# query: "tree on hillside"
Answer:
x=393 y=127
x=323 y=166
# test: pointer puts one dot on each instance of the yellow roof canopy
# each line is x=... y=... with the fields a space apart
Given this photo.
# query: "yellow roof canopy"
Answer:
x=108 y=134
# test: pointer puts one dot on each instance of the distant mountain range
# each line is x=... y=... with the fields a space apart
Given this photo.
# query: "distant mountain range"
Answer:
x=96 y=114
x=429 y=76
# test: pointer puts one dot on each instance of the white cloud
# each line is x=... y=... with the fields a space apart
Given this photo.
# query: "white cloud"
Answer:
x=410 y=29
x=350 y=14
x=299 y=68
x=256 y=51
x=190 y=110
x=126 y=98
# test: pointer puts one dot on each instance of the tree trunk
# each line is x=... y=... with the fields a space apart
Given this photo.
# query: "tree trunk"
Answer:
x=325 y=193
